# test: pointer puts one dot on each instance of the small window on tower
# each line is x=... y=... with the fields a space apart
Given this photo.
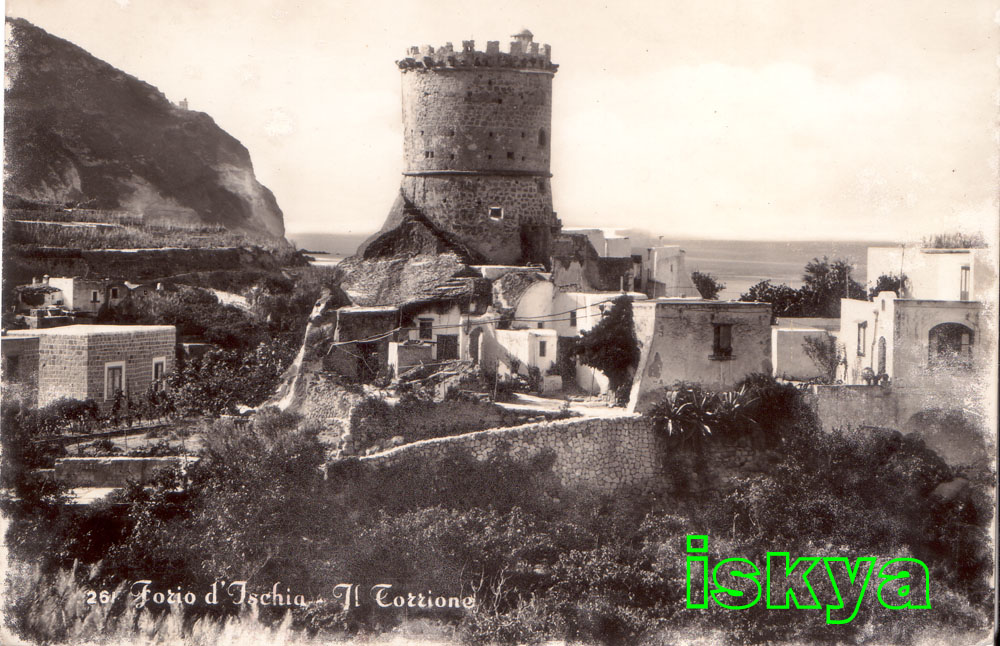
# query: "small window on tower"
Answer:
x=496 y=212
x=510 y=155
x=542 y=137
x=428 y=154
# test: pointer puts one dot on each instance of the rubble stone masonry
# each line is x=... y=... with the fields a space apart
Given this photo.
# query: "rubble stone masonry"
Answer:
x=72 y=360
x=477 y=145
x=603 y=455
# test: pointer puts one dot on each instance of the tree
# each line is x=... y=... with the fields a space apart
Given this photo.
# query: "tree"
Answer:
x=783 y=299
x=825 y=282
x=612 y=347
x=707 y=285
x=888 y=283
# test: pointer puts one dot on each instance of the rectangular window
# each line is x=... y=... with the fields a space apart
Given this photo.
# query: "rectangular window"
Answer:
x=541 y=348
x=159 y=368
x=496 y=212
x=426 y=328
x=114 y=292
x=114 y=379
x=93 y=297
x=572 y=318
x=510 y=155
x=964 y=284
x=541 y=324
x=722 y=341
x=862 y=337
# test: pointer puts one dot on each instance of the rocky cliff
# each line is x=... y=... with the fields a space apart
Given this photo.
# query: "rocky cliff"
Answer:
x=78 y=130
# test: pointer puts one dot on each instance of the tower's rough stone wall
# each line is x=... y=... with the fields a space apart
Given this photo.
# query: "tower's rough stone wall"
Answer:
x=477 y=146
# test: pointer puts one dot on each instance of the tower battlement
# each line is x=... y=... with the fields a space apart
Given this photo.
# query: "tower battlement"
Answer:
x=523 y=53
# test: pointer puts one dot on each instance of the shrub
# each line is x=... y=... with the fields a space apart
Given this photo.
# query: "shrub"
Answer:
x=823 y=353
x=707 y=285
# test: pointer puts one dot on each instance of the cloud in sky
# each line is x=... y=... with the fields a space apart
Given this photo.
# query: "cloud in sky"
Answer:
x=765 y=119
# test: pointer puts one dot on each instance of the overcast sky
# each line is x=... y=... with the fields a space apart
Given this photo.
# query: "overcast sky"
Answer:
x=786 y=119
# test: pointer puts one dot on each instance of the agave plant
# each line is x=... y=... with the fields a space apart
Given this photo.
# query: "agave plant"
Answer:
x=692 y=412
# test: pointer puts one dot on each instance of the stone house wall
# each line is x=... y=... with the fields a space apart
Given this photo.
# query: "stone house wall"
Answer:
x=138 y=349
x=20 y=364
x=677 y=339
x=72 y=360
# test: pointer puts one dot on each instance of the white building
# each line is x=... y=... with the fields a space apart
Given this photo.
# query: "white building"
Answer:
x=936 y=274
x=665 y=274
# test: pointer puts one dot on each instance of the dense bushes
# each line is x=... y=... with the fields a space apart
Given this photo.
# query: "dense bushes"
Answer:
x=541 y=561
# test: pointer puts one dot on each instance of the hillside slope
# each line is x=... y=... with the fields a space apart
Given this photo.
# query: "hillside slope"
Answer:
x=78 y=130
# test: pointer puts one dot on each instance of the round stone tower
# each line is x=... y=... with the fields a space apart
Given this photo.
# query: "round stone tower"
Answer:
x=477 y=144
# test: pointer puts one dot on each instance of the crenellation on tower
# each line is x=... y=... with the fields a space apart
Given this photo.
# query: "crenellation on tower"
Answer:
x=477 y=145
x=523 y=53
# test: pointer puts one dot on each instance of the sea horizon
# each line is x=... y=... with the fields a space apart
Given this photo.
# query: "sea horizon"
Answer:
x=739 y=264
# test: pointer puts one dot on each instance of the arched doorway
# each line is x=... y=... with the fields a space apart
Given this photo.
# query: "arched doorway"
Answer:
x=475 y=341
x=950 y=345
x=881 y=356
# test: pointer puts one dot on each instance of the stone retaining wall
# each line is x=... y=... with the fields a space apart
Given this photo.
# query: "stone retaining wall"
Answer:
x=604 y=455
x=112 y=471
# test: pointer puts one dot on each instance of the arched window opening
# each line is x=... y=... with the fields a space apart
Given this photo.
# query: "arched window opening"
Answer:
x=950 y=345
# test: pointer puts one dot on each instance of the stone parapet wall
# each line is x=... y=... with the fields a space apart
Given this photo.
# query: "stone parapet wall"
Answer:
x=603 y=455
x=852 y=407
x=113 y=471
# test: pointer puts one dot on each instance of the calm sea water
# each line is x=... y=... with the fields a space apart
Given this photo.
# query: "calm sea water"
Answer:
x=743 y=263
